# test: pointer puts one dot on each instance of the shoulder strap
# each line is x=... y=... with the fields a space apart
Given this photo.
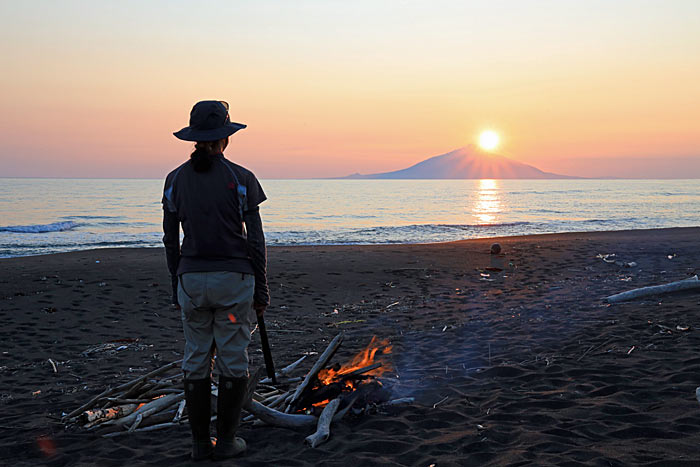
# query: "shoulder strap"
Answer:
x=168 y=193
x=240 y=189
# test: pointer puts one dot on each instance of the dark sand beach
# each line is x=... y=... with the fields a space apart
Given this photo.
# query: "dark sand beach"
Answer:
x=526 y=366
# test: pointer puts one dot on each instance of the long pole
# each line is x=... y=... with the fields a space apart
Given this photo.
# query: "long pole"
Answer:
x=267 y=353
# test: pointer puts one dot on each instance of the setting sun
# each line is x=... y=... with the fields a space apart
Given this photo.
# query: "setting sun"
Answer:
x=488 y=140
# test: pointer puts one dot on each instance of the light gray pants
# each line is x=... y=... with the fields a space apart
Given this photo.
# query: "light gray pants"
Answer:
x=217 y=308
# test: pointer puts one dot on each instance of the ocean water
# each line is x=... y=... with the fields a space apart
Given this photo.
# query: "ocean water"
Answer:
x=39 y=216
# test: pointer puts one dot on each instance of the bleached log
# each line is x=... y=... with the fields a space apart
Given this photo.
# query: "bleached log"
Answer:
x=318 y=366
x=94 y=417
x=280 y=419
x=285 y=371
x=180 y=410
x=323 y=430
x=278 y=401
x=341 y=413
x=137 y=422
x=252 y=385
x=154 y=419
x=265 y=397
x=148 y=409
x=274 y=398
x=686 y=284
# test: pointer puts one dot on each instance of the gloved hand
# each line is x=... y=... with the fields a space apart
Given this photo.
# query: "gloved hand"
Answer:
x=173 y=280
x=259 y=308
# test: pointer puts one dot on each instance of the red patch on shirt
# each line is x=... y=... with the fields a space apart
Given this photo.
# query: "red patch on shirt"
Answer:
x=232 y=185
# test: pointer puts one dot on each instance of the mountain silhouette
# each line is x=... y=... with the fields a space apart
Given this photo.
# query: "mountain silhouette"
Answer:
x=467 y=162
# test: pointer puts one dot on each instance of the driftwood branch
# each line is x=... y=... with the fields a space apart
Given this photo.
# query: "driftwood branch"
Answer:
x=280 y=399
x=180 y=410
x=280 y=419
x=341 y=413
x=153 y=373
x=253 y=379
x=149 y=409
x=90 y=403
x=95 y=417
x=154 y=419
x=136 y=389
x=137 y=422
x=274 y=399
x=361 y=371
x=686 y=284
x=323 y=430
x=153 y=427
x=163 y=390
x=285 y=371
x=128 y=385
x=318 y=366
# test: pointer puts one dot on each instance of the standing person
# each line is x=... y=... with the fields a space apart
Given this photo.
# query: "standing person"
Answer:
x=218 y=274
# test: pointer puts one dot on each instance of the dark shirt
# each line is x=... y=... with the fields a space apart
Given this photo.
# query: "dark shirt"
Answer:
x=208 y=206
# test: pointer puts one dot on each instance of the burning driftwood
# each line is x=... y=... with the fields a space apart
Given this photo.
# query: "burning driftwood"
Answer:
x=318 y=366
x=327 y=393
x=93 y=417
x=155 y=400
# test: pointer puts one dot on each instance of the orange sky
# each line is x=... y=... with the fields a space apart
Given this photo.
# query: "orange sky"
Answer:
x=332 y=88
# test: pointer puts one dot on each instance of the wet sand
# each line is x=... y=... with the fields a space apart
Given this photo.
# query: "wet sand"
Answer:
x=521 y=366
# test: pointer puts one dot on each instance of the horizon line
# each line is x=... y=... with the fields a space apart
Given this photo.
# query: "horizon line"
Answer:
x=573 y=177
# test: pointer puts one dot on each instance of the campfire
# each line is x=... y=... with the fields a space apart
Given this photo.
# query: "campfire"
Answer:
x=327 y=392
x=360 y=373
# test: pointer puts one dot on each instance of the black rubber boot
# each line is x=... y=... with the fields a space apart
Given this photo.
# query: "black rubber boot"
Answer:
x=228 y=415
x=198 y=397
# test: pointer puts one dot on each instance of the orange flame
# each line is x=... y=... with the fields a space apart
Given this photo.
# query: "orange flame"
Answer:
x=365 y=358
x=231 y=318
x=144 y=403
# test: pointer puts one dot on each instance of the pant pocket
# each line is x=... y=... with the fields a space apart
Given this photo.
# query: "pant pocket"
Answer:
x=189 y=294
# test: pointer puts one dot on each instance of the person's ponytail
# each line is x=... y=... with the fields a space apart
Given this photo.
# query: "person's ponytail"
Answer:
x=203 y=155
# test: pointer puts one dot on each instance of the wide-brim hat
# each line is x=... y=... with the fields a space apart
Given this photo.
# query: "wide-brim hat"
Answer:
x=209 y=121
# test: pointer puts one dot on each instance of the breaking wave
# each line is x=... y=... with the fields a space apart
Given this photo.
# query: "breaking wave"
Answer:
x=41 y=228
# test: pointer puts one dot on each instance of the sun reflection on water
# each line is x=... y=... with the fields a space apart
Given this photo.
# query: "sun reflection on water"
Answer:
x=488 y=203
